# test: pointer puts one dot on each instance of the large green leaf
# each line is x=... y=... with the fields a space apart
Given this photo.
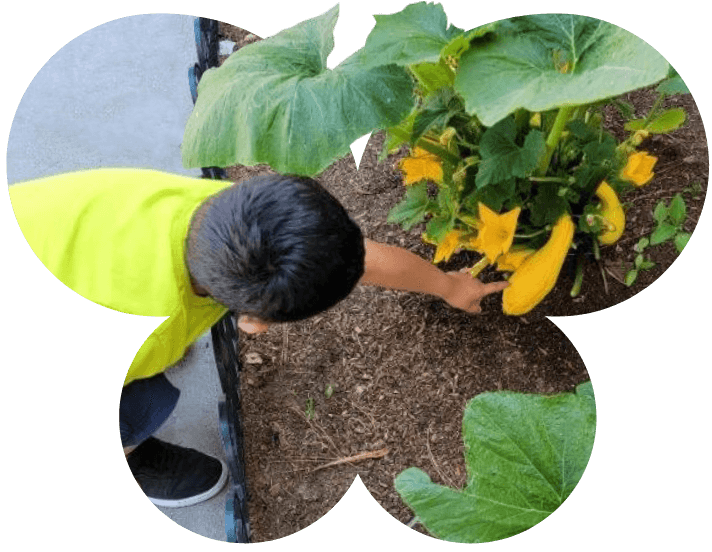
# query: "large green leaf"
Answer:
x=276 y=102
x=524 y=455
x=419 y=37
x=413 y=208
x=542 y=62
x=414 y=35
x=502 y=158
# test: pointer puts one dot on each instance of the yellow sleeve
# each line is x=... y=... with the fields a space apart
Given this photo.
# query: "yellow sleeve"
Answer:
x=166 y=345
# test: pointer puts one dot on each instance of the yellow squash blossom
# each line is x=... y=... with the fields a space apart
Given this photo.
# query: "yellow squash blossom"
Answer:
x=446 y=248
x=495 y=232
x=421 y=165
x=639 y=169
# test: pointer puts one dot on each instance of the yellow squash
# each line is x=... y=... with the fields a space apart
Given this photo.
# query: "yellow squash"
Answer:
x=536 y=276
x=612 y=211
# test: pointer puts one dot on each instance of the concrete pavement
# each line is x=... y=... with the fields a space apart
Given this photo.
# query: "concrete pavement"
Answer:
x=118 y=96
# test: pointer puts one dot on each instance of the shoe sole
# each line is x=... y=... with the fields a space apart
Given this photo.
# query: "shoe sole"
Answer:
x=197 y=499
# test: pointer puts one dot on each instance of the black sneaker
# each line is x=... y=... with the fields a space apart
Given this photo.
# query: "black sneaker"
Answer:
x=173 y=476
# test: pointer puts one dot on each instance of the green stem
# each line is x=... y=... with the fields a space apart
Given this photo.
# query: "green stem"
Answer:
x=578 y=280
x=533 y=234
x=479 y=266
x=562 y=117
x=464 y=142
x=428 y=146
x=653 y=109
x=568 y=180
x=596 y=250
x=441 y=152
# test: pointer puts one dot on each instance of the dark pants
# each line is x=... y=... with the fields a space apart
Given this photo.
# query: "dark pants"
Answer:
x=145 y=405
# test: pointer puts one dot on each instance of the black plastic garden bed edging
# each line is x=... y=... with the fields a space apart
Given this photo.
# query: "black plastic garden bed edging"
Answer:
x=227 y=360
x=224 y=334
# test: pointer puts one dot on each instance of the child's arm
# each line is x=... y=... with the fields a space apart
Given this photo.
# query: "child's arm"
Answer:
x=396 y=268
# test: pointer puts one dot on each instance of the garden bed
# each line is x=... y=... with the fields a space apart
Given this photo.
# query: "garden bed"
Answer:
x=391 y=370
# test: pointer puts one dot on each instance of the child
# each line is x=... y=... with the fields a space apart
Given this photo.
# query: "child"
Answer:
x=297 y=221
x=271 y=249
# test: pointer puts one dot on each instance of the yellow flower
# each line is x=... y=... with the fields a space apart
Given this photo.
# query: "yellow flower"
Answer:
x=639 y=169
x=421 y=165
x=496 y=232
x=446 y=248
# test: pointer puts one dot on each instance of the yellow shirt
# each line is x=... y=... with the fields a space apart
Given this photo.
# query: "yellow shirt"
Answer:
x=116 y=237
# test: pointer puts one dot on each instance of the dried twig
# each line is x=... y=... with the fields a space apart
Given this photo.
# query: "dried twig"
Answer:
x=432 y=458
x=315 y=426
x=615 y=276
x=355 y=458
x=285 y=344
x=605 y=280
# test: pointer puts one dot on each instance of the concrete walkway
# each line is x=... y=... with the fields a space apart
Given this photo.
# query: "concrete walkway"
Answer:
x=118 y=96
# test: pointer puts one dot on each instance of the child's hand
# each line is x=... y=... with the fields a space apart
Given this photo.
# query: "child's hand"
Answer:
x=466 y=292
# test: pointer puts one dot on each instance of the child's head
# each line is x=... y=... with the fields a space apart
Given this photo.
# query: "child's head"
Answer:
x=276 y=248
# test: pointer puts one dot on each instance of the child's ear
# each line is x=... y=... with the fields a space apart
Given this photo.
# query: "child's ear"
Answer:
x=251 y=325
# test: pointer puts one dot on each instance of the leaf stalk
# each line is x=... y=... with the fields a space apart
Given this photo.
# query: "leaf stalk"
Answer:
x=441 y=152
x=562 y=117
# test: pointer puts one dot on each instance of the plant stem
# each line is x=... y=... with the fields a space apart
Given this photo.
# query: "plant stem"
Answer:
x=569 y=180
x=653 y=109
x=576 y=288
x=441 y=152
x=562 y=117
x=596 y=251
x=479 y=266
x=533 y=234
x=466 y=143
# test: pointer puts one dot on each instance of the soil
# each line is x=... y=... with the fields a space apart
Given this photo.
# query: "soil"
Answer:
x=394 y=370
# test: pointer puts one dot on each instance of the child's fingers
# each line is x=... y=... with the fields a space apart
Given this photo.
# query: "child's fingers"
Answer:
x=494 y=287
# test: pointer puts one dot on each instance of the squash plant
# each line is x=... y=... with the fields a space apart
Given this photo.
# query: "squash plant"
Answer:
x=503 y=123
x=524 y=456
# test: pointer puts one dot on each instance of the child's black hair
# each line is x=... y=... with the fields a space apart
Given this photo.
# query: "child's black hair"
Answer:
x=279 y=248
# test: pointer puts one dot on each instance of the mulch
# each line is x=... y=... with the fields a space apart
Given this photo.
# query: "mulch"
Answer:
x=394 y=370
